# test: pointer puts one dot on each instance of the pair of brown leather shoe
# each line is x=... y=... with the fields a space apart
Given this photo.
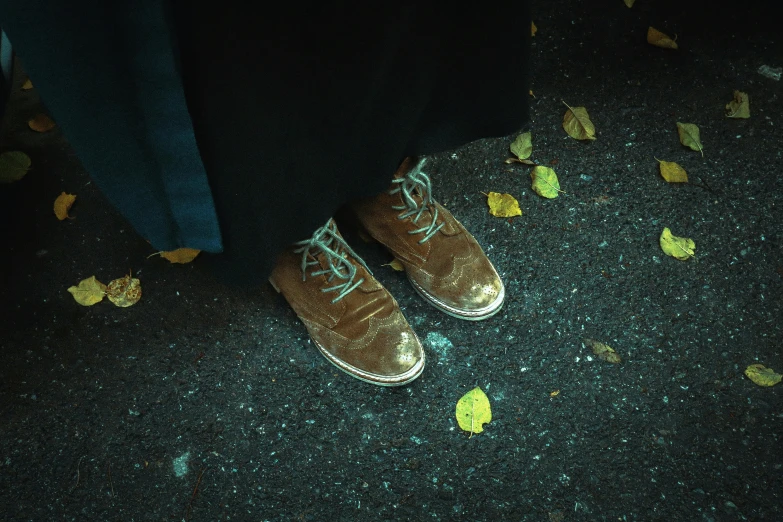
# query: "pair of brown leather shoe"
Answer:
x=352 y=319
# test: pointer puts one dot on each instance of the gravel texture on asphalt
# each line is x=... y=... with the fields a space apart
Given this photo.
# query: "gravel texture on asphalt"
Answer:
x=204 y=402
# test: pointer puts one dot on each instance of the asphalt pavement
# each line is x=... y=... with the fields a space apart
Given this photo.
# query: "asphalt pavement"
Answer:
x=204 y=402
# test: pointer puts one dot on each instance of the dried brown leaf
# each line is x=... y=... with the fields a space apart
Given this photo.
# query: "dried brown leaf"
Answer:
x=180 y=255
x=124 y=292
x=659 y=39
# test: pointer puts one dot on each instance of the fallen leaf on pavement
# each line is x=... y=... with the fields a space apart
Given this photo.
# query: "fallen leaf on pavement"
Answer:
x=88 y=292
x=13 y=166
x=41 y=123
x=533 y=29
x=602 y=351
x=27 y=85
x=689 y=136
x=545 y=182
x=658 y=39
x=681 y=248
x=629 y=3
x=63 y=204
x=761 y=375
x=739 y=107
x=124 y=292
x=577 y=124
x=517 y=160
x=473 y=411
x=180 y=255
x=503 y=205
x=522 y=147
x=396 y=265
x=672 y=172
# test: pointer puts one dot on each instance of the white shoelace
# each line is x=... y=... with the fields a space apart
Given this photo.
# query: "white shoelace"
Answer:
x=416 y=182
x=337 y=251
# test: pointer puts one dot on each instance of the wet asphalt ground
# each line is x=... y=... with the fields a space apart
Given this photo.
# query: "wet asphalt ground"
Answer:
x=204 y=402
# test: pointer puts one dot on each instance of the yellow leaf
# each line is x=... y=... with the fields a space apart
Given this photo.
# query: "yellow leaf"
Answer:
x=13 y=166
x=533 y=28
x=672 y=172
x=27 y=85
x=681 y=248
x=554 y=393
x=629 y=3
x=503 y=205
x=545 y=182
x=739 y=107
x=41 y=123
x=689 y=136
x=124 y=292
x=761 y=375
x=396 y=265
x=473 y=411
x=602 y=351
x=531 y=93
x=522 y=147
x=88 y=292
x=63 y=204
x=658 y=39
x=577 y=123
x=181 y=255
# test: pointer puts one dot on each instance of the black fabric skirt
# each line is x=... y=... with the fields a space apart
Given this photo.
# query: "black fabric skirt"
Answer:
x=307 y=107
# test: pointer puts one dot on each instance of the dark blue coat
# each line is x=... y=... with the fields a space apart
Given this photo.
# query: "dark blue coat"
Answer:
x=215 y=127
x=107 y=72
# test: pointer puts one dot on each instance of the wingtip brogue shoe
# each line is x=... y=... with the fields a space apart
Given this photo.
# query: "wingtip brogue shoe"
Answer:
x=351 y=318
x=442 y=260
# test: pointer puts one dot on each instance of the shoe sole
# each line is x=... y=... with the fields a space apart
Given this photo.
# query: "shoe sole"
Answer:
x=468 y=315
x=371 y=378
x=379 y=380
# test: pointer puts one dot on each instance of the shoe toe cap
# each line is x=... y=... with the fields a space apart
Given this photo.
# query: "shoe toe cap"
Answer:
x=482 y=294
x=394 y=351
x=388 y=354
x=473 y=294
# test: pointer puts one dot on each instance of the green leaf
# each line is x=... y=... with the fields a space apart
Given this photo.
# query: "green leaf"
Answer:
x=739 y=107
x=473 y=411
x=545 y=182
x=522 y=147
x=763 y=376
x=682 y=248
x=689 y=136
x=13 y=166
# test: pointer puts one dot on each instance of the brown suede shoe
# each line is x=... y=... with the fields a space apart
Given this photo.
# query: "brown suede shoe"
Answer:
x=442 y=260
x=353 y=320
